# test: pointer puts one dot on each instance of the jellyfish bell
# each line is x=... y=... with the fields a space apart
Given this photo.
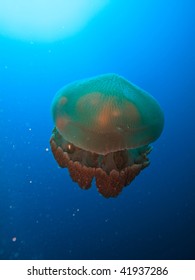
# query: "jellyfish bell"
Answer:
x=103 y=128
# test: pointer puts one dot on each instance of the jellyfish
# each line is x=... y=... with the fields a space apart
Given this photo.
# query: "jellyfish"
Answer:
x=103 y=129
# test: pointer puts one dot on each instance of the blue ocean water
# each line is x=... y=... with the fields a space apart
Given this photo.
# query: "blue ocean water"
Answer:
x=43 y=214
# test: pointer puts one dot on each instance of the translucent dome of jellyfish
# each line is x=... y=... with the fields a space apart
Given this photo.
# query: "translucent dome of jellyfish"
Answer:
x=103 y=128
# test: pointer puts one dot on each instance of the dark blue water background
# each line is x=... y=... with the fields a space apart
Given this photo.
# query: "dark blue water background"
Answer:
x=43 y=214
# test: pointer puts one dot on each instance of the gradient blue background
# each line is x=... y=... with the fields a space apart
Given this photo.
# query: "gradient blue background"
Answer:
x=152 y=44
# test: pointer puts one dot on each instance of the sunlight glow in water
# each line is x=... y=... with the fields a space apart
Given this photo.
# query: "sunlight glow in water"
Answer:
x=44 y=20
